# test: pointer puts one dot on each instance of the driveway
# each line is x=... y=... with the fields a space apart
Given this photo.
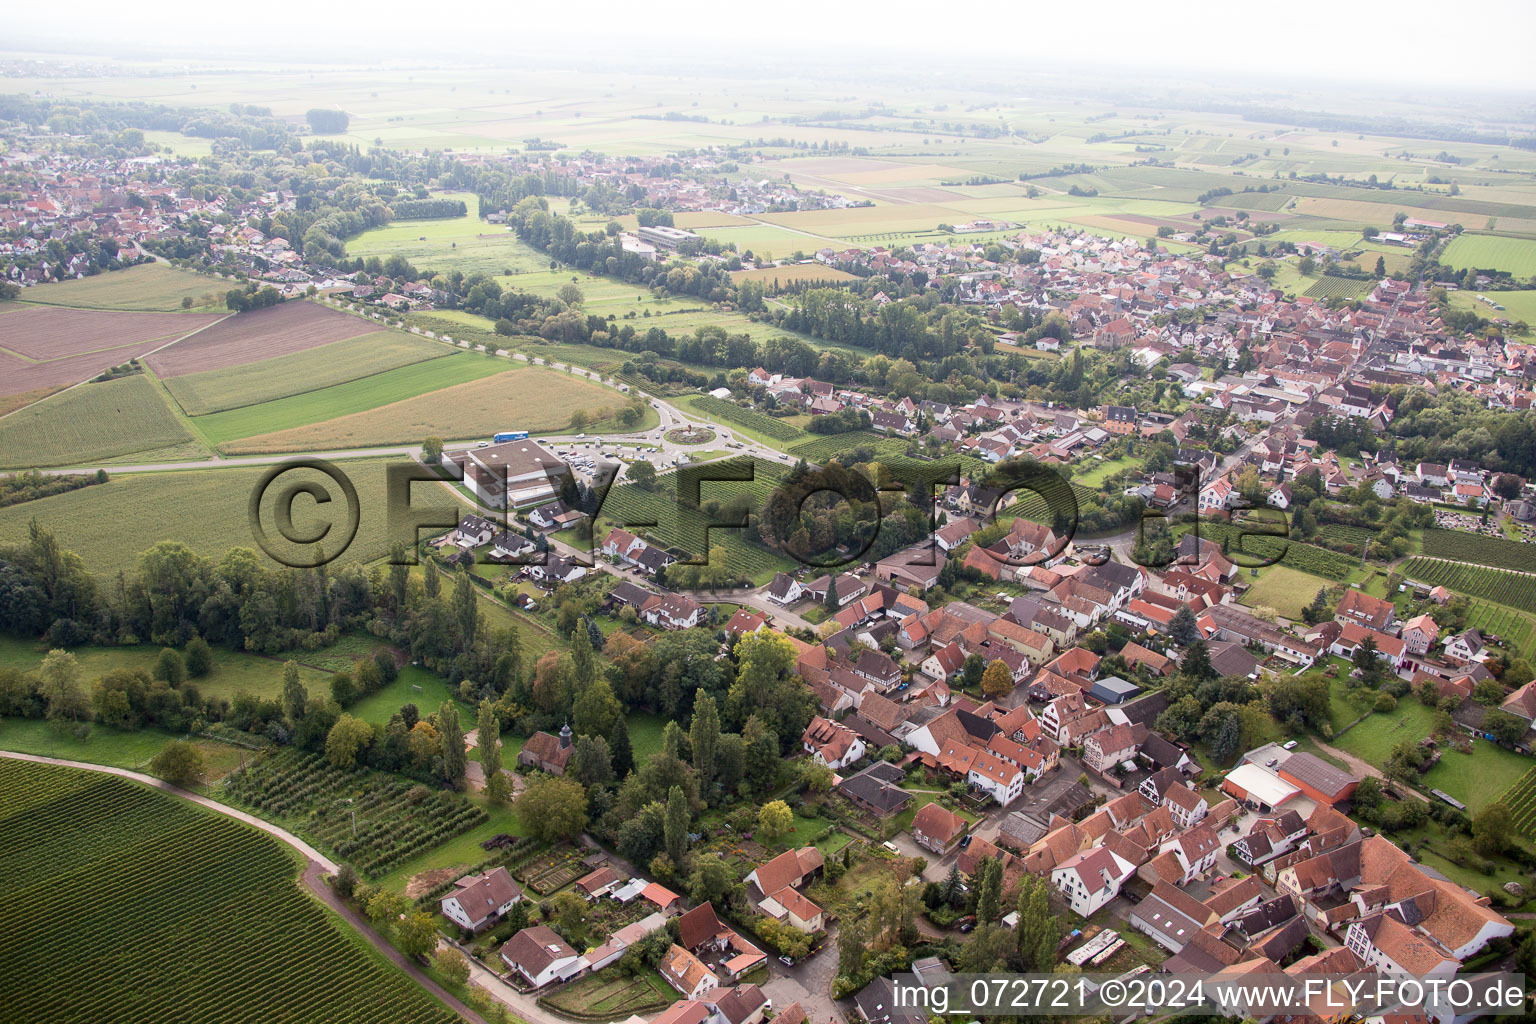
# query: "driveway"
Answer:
x=808 y=983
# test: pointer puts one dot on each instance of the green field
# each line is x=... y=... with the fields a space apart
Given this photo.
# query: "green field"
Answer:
x=1284 y=589
x=206 y=509
x=446 y=244
x=151 y=286
x=1519 y=305
x=719 y=411
x=91 y=423
x=1520 y=798
x=210 y=391
x=133 y=869
x=1338 y=288
x=232 y=671
x=345 y=399
x=1517 y=256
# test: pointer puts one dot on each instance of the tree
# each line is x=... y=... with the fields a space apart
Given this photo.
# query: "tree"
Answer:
x=1493 y=830
x=997 y=680
x=416 y=935
x=451 y=735
x=385 y=908
x=704 y=735
x=552 y=808
x=466 y=610
x=1504 y=727
x=592 y=764
x=170 y=667
x=830 y=601
x=1366 y=661
x=1183 y=627
x=327 y=122
x=1317 y=611
x=1197 y=662
x=451 y=964
x=642 y=473
x=618 y=746
x=675 y=826
x=432 y=449
x=1038 y=929
x=989 y=892
x=295 y=697
x=596 y=710
x=816 y=775
x=199 y=657
x=851 y=947
x=59 y=683
x=179 y=763
x=488 y=738
x=347 y=740
x=774 y=820
x=972 y=670
x=570 y=295
x=710 y=881
x=345 y=882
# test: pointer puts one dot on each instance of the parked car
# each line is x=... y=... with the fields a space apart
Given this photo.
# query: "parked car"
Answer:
x=965 y=840
x=966 y=924
x=786 y=961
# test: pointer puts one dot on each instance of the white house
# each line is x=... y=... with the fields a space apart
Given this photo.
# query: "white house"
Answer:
x=1091 y=879
x=477 y=901
x=540 y=956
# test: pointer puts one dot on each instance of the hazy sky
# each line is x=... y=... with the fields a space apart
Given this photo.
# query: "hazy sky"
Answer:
x=1475 y=47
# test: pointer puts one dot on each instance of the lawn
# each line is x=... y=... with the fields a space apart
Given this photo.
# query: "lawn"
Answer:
x=357 y=396
x=208 y=510
x=1373 y=739
x=1481 y=777
x=612 y=995
x=645 y=733
x=90 y=423
x=119 y=748
x=1101 y=471
x=1517 y=305
x=446 y=244
x=152 y=286
x=1284 y=589
x=232 y=671
x=412 y=686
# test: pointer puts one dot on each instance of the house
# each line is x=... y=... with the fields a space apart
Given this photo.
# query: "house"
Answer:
x=785 y=589
x=672 y=611
x=477 y=901
x=472 y=532
x=1170 y=916
x=877 y=789
x=792 y=908
x=1522 y=702
x=1419 y=634
x=745 y=621
x=557 y=569
x=831 y=743
x=549 y=754
x=938 y=829
x=687 y=973
x=1466 y=647
x=598 y=883
x=1370 y=612
x=1385 y=942
x=743 y=1004
x=1196 y=851
x=792 y=868
x=1091 y=878
x=876 y=1003
x=1109 y=747
x=540 y=956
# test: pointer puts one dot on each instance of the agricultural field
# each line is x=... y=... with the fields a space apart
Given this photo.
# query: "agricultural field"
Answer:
x=1515 y=629
x=538 y=399
x=148 y=287
x=1293 y=554
x=612 y=995
x=89 y=423
x=1458 y=546
x=45 y=348
x=1326 y=287
x=1518 y=305
x=817 y=272
x=297 y=373
x=206 y=509
x=1492 y=252
x=1284 y=589
x=258 y=334
x=340 y=400
x=395 y=818
x=136 y=870
x=719 y=410
x=1500 y=586
x=1521 y=801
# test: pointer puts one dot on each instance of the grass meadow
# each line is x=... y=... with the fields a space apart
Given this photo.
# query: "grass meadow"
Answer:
x=150 y=286
x=1492 y=252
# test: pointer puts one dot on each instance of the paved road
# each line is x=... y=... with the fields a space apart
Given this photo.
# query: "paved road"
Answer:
x=317 y=866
